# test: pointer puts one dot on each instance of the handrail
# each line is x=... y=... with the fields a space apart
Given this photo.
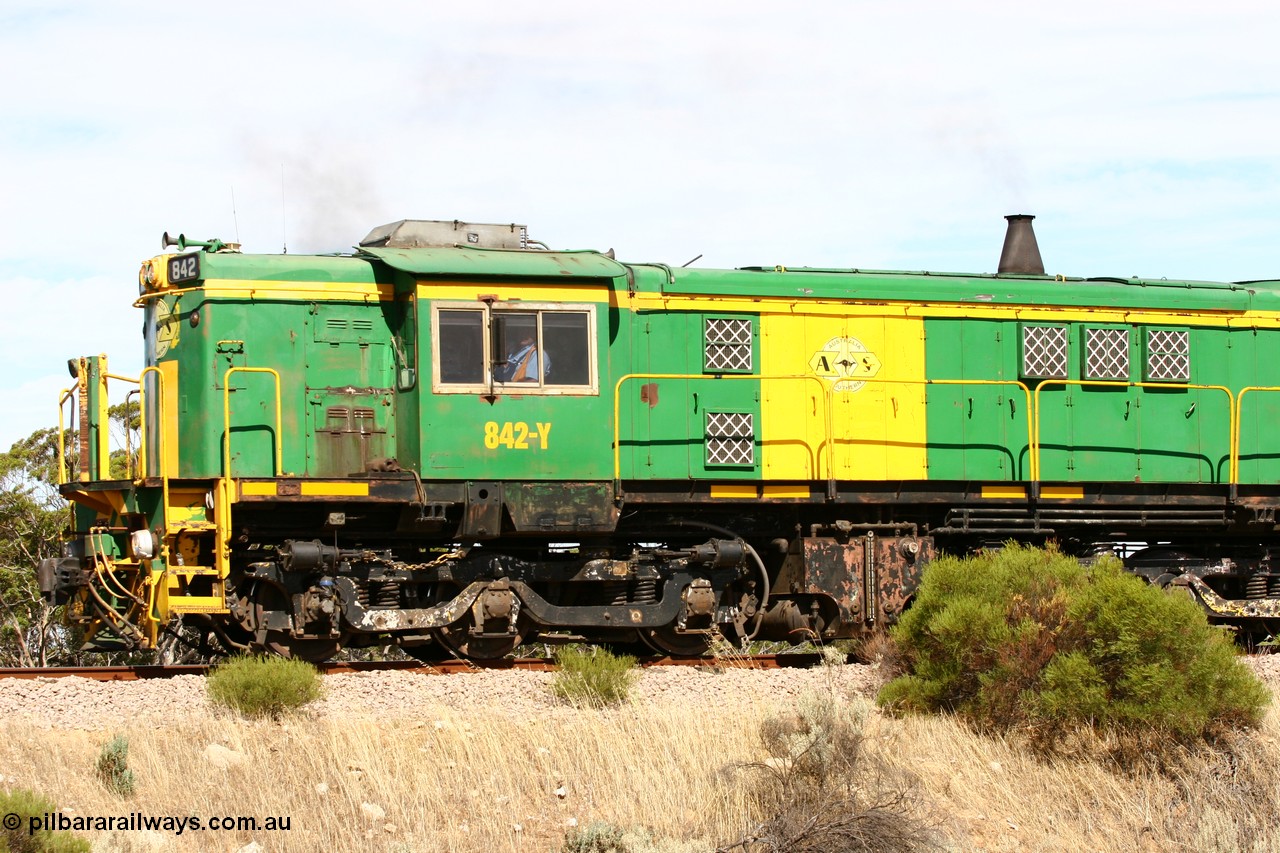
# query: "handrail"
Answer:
x=142 y=428
x=1106 y=383
x=617 y=410
x=66 y=395
x=1239 y=423
x=829 y=399
x=1026 y=393
x=223 y=495
x=226 y=419
x=128 y=445
x=142 y=448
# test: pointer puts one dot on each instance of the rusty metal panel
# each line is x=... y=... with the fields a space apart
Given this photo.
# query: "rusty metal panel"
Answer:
x=569 y=507
x=844 y=570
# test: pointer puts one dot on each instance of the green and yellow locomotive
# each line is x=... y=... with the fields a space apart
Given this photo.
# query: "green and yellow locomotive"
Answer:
x=455 y=439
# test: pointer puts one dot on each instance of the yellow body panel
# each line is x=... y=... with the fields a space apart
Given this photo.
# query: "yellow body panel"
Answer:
x=169 y=415
x=323 y=489
x=344 y=291
x=473 y=291
x=780 y=492
x=1009 y=492
x=734 y=490
x=1062 y=493
x=878 y=428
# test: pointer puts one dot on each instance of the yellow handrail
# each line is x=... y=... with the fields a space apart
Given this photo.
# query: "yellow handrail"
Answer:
x=617 y=407
x=1104 y=383
x=1034 y=458
x=1239 y=423
x=142 y=429
x=223 y=498
x=828 y=397
x=226 y=419
x=128 y=448
x=66 y=395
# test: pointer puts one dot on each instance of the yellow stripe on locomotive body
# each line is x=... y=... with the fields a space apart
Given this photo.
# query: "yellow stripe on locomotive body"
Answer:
x=876 y=425
x=1250 y=319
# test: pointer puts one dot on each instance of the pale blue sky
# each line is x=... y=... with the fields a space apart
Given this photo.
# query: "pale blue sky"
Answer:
x=875 y=134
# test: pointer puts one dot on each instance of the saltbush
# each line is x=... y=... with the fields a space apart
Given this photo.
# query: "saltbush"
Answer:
x=825 y=788
x=593 y=677
x=16 y=838
x=1031 y=639
x=601 y=837
x=263 y=686
x=113 y=767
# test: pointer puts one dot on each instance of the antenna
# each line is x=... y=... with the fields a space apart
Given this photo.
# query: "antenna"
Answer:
x=284 y=233
x=691 y=260
x=235 y=219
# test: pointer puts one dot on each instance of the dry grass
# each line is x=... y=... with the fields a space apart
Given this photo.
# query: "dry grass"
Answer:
x=454 y=782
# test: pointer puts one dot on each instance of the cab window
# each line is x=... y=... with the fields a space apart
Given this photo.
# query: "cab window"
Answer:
x=525 y=348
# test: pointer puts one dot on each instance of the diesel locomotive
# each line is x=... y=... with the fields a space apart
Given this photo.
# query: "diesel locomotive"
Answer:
x=455 y=439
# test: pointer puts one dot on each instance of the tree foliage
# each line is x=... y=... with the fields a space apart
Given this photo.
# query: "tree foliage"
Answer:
x=32 y=517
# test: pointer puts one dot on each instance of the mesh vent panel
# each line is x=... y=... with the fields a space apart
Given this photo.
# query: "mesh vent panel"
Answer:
x=1169 y=355
x=728 y=344
x=730 y=438
x=1044 y=352
x=1106 y=353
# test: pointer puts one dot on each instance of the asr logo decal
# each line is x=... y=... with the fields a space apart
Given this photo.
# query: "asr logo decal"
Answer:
x=845 y=360
x=167 y=325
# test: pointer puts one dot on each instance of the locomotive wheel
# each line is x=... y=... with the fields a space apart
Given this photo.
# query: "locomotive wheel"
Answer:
x=312 y=651
x=457 y=638
x=282 y=643
x=667 y=641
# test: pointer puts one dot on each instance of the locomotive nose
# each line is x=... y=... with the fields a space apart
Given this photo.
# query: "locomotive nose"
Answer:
x=1021 y=254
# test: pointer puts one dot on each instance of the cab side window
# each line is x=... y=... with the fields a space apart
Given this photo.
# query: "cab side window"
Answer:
x=525 y=348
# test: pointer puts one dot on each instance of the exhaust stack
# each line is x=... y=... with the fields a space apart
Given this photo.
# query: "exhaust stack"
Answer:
x=1021 y=254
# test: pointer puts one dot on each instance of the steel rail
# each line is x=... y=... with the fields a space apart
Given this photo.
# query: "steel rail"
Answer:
x=445 y=667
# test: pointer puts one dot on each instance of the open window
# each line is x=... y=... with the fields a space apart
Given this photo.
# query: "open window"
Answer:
x=513 y=348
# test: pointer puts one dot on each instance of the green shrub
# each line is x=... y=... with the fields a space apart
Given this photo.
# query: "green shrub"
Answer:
x=593 y=677
x=263 y=686
x=1029 y=639
x=17 y=839
x=113 y=767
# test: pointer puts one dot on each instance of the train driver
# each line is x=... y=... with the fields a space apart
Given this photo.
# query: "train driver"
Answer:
x=523 y=362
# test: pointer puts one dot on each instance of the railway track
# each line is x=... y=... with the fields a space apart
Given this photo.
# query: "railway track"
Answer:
x=447 y=667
